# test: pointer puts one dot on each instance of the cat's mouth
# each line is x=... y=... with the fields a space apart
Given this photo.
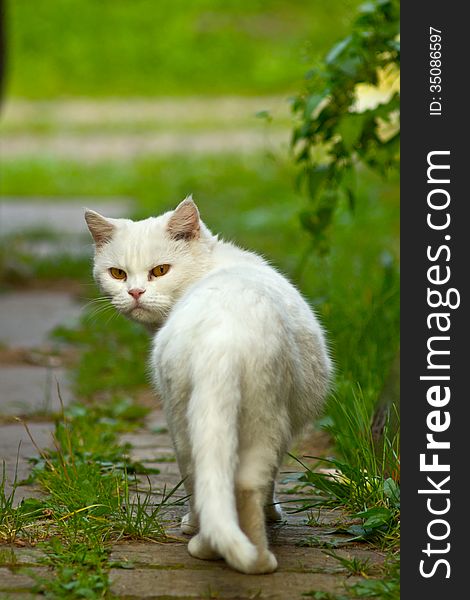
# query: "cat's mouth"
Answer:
x=139 y=308
x=142 y=313
x=134 y=310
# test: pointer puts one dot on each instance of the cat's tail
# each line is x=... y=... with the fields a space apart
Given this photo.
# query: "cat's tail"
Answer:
x=213 y=426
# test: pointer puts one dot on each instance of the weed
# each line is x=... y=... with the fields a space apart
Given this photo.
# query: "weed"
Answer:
x=320 y=595
x=361 y=484
x=314 y=541
x=385 y=588
x=140 y=517
x=89 y=502
x=80 y=569
x=16 y=520
x=354 y=565
x=112 y=359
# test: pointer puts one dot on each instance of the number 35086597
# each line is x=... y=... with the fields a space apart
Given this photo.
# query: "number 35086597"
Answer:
x=435 y=71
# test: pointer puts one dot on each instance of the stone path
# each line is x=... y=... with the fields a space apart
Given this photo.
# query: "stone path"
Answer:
x=115 y=146
x=47 y=227
x=20 y=215
x=32 y=365
x=124 y=129
x=163 y=571
x=170 y=111
x=31 y=370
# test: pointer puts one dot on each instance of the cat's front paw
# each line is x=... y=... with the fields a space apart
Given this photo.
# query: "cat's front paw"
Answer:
x=266 y=563
x=256 y=562
x=189 y=524
x=200 y=548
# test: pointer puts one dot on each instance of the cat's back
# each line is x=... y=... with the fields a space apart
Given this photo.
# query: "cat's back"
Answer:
x=248 y=312
x=241 y=299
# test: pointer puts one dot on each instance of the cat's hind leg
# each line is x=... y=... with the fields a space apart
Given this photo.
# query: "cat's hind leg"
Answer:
x=190 y=521
x=250 y=506
x=272 y=509
x=254 y=492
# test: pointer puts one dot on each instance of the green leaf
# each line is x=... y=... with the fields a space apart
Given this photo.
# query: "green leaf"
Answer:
x=313 y=102
x=350 y=66
x=316 y=178
x=357 y=530
x=392 y=491
x=348 y=184
x=375 y=517
x=350 y=129
x=337 y=50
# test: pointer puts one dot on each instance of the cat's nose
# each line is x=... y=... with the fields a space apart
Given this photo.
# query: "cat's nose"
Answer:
x=136 y=293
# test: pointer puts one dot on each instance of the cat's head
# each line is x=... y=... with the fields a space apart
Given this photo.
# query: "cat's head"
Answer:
x=145 y=266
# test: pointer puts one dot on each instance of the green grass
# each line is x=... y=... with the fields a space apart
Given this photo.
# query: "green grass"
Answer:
x=353 y=564
x=386 y=586
x=98 y=373
x=80 y=568
x=147 y=48
x=16 y=519
x=91 y=500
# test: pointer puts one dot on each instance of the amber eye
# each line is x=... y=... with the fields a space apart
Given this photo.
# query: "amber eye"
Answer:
x=160 y=270
x=117 y=273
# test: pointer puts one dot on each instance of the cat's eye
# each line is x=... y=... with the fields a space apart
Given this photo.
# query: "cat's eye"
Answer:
x=117 y=273
x=160 y=270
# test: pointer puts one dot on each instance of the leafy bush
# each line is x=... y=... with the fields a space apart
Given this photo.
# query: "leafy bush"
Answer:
x=348 y=115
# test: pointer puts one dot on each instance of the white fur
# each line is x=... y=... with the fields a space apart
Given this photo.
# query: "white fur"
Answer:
x=240 y=362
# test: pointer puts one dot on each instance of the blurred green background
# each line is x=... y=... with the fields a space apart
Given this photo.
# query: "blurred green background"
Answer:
x=64 y=48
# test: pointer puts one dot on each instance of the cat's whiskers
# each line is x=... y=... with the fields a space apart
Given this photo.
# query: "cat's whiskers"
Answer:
x=97 y=300
x=97 y=306
x=113 y=316
x=101 y=308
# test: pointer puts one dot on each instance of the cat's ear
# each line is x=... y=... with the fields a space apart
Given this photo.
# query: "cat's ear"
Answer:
x=100 y=228
x=184 y=222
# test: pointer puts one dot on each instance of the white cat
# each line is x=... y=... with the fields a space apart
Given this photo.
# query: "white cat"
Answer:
x=238 y=358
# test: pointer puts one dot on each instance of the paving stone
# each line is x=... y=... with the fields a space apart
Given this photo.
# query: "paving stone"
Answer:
x=156 y=421
x=218 y=582
x=156 y=483
x=152 y=454
x=118 y=146
x=146 y=439
x=13 y=557
x=167 y=470
x=66 y=217
x=15 y=444
x=26 y=390
x=290 y=558
x=19 y=580
x=27 y=318
x=21 y=596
